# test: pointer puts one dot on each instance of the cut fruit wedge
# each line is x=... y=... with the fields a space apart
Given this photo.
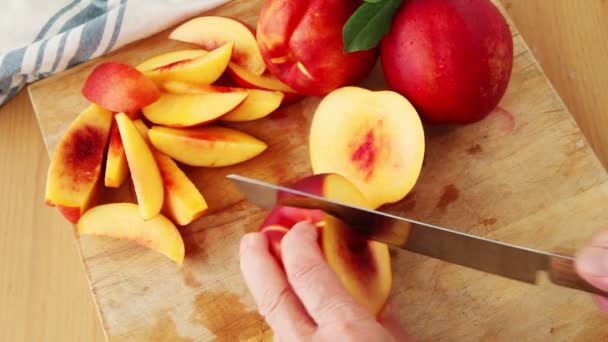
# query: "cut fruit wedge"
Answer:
x=122 y=221
x=258 y=104
x=204 y=69
x=76 y=166
x=146 y=176
x=266 y=81
x=211 y=31
x=209 y=146
x=117 y=168
x=170 y=58
x=186 y=110
x=183 y=202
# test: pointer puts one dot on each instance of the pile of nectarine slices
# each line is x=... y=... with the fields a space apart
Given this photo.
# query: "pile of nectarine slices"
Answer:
x=176 y=96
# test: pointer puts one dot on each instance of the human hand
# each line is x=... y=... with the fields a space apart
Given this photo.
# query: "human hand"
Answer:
x=592 y=265
x=307 y=301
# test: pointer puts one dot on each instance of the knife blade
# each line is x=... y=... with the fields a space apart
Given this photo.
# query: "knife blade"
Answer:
x=490 y=256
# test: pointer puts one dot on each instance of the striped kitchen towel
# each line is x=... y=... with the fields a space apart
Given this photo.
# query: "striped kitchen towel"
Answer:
x=42 y=37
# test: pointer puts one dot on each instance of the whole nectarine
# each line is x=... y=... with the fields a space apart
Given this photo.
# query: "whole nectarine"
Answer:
x=301 y=42
x=451 y=59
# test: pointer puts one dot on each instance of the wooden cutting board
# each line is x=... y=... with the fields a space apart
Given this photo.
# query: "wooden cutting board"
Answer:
x=523 y=175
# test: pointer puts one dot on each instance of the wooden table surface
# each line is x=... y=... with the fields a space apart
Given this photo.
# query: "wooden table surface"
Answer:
x=43 y=290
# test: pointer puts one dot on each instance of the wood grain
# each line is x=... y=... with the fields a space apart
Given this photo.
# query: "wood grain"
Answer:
x=34 y=300
x=522 y=175
x=569 y=40
x=44 y=294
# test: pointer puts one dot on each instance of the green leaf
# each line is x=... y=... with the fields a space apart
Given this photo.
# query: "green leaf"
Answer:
x=370 y=22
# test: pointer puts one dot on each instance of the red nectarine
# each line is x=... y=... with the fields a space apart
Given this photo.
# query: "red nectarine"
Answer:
x=451 y=59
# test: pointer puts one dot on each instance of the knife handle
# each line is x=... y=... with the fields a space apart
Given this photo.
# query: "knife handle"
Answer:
x=563 y=273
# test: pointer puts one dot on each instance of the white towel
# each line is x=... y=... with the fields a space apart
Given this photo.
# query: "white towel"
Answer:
x=43 y=37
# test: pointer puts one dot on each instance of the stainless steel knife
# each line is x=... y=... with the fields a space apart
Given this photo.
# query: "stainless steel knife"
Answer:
x=499 y=258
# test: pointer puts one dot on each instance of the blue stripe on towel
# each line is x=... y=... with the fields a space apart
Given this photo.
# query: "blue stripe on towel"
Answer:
x=10 y=65
x=53 y=19
x=117 y=26
x=62 y=42
x=92 y=33
x=87 y=13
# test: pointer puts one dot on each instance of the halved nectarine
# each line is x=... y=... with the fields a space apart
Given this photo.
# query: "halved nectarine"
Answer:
x=209 y=146
x=183 y=202
x=204 y=69
x=145 y=174
x=119 y=87
x=211 y=31
x=122 y=221
x=75 y=170
x=374 y=139
x=363 y=266
x=258 y=104
x=117 y=168
x=266 y=81
x=186 y=110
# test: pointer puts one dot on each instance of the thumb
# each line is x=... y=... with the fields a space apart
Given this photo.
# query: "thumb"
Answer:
x=592 y=265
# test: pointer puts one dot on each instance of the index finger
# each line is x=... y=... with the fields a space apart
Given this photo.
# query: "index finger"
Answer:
x=271 y=291
x=315 y=283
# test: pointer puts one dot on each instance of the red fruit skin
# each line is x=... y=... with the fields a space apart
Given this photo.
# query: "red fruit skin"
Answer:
x=310 y=32
x=451 y=59
x=119 y=87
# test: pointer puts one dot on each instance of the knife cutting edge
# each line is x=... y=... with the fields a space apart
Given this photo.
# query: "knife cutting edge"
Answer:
x=490 y=256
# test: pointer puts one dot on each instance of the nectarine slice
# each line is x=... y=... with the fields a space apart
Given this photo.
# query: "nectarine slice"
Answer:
x=145 y=174
x=185 y=110
x=364 y=267
x=258 y=104
x=211 y=31
x=169 y=58
x=123 y=221
x=205 y=69
x=75 y=169
x=374 y=139
x=183 y=202
x=266 y=81
x=119 y=87
x=117 y=168
x=209 y=146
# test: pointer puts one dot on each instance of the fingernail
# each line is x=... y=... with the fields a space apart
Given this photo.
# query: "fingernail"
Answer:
x=593 y=261
x=306 y=229
x=251 y=240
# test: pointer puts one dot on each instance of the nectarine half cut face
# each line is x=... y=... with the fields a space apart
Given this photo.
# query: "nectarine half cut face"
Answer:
x=186 y=110
x=374 y=139
x=209 y=146
x=145 y=174
x=204 y=69
x=76 y=165
x=211 y=31
x=122 y=221
x=258 y=104
x=119 y=87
